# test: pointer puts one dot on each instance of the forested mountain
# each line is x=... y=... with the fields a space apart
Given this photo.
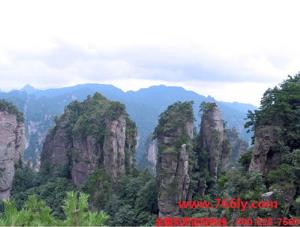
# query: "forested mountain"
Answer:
x=40 y=108
x=91 y=150
x=94 y=134
x=268 y=174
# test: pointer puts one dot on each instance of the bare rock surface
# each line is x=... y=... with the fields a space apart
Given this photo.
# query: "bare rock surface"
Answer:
x=151 y=154
x=12 y=145
x=264 y=156
x=212 y=138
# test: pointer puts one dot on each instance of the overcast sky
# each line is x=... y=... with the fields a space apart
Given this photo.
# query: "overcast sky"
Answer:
x=231 y=50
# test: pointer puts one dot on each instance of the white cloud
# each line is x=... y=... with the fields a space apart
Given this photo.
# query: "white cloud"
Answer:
x=232 y=50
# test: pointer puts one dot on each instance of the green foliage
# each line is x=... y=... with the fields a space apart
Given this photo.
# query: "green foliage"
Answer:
x=77 y=214
x=235 y=144
x=146 y=199
x=125 y=216
x=92 y=118
x=35 y=212
x=198 y=168
x=222 y=180
x=116 y=109
x=174 y=117
x=245 y=160
x=280 y=174
x=207 y=106
x=52 y=190
x=280 y=106
x=298 y=201
x=297 y=204
x=54 y=193
x=285 y=179
x=130 y=145
x=10 y=108
x=24 y=179
x=89 y=117
x=249 y=185
x=99 y=187
x=131 y=202
x=172 y=122
x=244 y=185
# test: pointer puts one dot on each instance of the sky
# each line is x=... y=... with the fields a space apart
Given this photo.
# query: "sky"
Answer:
x=231 y=50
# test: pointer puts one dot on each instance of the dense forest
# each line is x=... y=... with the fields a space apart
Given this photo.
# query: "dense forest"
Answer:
x=89 y=176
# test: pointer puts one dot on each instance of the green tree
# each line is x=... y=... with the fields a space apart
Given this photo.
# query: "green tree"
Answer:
x=280 y=107
x=10 y=108
x=35 y=212
x=77 y=213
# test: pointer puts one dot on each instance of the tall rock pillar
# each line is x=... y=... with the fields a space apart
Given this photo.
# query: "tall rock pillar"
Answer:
x=174 y=135
x=12 y=146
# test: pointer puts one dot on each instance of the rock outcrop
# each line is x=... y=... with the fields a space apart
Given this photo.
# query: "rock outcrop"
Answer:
x=212 y=137
x=94 y=134
x=217 y=148
x=237 y=145
x=114 y=147
x=174 y=135
x=264 y=155
x=57 y=146
x=151 y=154
x=12 y=145
x=268 y=156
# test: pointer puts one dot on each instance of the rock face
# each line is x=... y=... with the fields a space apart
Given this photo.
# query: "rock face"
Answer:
x=267 y=156
x=264 y=155
x=212 y=137
x=238 y=146
x=94 y=134
x=12 y=146
x=227 y=144
x=151 y=154
x=174 y=135
x=57 y=146
x=217 y=148
x=114 y=147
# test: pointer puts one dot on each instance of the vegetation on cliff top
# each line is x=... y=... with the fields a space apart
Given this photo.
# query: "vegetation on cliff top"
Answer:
x=172 y=123
x=89 y=117
x=280 y=107
x=93 y=118
x=10 y=108
x=207 y=106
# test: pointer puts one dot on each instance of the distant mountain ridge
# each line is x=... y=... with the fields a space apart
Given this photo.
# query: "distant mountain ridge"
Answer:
x=40 y=108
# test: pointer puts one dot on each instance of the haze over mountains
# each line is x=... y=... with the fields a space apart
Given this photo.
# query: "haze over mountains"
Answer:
x=144 y=106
